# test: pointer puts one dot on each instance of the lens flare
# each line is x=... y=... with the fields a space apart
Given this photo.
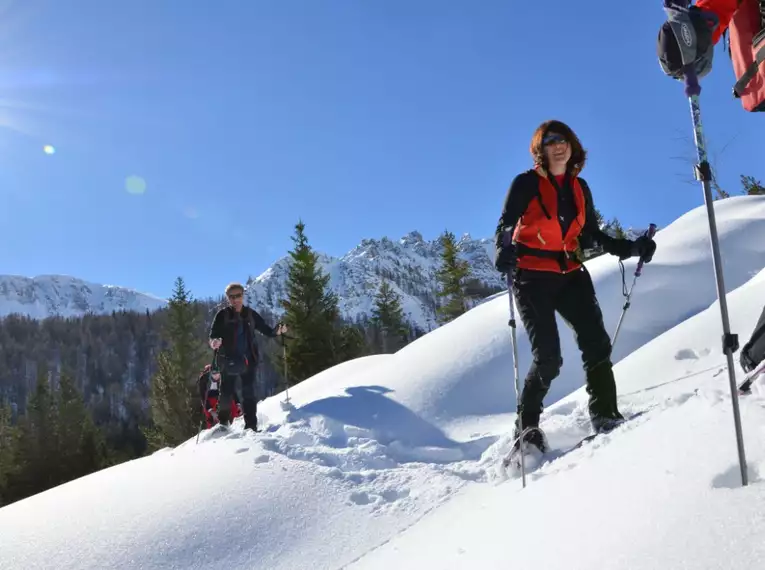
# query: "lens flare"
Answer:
x=49 y=149
x=135 y=185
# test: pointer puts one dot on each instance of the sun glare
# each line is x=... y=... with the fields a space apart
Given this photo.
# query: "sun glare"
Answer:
x=135 y=185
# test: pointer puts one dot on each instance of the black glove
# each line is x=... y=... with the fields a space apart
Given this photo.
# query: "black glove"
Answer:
x=644 y=248
x=506 y=259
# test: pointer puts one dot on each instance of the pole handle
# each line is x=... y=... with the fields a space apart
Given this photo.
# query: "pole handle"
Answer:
x=649 y=233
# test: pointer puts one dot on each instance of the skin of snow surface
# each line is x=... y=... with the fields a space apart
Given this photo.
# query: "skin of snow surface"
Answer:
x=391 y=460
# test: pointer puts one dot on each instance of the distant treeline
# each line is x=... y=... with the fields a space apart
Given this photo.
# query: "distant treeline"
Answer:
x=80 y=394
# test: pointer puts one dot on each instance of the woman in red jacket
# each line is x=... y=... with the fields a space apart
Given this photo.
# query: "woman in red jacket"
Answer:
x=547 y=219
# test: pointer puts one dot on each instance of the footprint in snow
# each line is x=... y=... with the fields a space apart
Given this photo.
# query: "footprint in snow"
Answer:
x=361 y=498
x=686 y=354
x=390 y=495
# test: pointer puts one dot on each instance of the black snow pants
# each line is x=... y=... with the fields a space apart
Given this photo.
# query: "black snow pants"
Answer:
x=753 y=352
x=539 y=295
x=249 y=396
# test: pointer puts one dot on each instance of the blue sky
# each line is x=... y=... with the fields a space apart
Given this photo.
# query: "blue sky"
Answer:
x=363 y=118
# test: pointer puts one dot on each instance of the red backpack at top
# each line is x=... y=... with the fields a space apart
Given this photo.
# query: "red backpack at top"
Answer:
x=747 y=52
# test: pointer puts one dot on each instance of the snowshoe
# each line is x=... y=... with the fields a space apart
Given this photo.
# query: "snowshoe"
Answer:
x=746 y=386
x=533 y=448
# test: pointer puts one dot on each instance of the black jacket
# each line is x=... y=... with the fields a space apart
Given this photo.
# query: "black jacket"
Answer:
x=524 y=188
x=226 y=323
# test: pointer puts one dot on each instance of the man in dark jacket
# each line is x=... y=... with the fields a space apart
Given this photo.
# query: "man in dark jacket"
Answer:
x=232 y=334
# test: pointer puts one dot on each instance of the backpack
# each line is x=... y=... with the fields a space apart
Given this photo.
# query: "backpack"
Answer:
x=746 y=48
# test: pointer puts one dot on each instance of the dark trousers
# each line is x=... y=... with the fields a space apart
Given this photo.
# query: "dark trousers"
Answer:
x=753 y=352
x=539 y=296
x=249 y=396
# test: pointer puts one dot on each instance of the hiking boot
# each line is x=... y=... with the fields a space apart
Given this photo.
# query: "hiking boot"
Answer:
x=533 y=436
x=747 y=364
x=601 y=387
x=250 y=413
x=604 y=424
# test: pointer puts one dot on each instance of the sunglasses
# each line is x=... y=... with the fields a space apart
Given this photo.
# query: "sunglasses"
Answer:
x=553 y=138
x=234 y=296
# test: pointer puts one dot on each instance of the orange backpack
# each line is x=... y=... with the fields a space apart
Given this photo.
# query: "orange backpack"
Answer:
x=747 y=51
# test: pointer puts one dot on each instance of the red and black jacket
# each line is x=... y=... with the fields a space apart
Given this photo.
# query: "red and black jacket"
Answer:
x=551 y=220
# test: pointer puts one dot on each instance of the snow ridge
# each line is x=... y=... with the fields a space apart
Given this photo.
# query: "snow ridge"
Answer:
x=64 y=296
x=409 y=264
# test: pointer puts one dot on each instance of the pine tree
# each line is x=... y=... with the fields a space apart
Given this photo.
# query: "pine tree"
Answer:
x=175 y=409
x=36 y=444
x=8 y=461
x=451 y=278
x=752 y=186
x=350 y=343
x=720 y=194
x=614 y=228
x=310 y=312
x=388 y=317
x=80 y=444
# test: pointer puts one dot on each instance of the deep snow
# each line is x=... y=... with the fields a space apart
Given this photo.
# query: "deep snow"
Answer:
x=392 y=459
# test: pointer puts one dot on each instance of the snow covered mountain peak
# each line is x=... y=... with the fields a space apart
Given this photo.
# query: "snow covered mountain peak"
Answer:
x=412 y=237
x=62 y=295
x=409 y=264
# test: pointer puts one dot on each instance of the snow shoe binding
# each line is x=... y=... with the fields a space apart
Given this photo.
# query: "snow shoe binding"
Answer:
x=532 y=444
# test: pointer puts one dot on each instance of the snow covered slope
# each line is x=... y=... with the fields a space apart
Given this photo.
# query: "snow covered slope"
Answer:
x=60 y=295
x=377 y=459
x=664 y=491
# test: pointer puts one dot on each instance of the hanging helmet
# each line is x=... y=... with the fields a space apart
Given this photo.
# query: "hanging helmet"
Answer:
x=686 y=38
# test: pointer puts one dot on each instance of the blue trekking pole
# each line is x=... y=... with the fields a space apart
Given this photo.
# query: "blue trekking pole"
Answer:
x=682 y=27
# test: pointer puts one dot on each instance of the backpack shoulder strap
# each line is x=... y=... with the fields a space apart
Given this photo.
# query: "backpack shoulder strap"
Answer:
x=754 y=68
x=538 y=174
x=251 y=321
x=758 y=43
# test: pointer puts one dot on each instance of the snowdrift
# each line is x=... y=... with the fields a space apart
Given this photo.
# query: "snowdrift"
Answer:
x=459 y=377
x=372 y=447
x=663 y=491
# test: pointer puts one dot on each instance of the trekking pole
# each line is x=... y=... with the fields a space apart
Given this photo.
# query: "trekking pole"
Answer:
x=285 y=404
x=638 y=271
x=201 y=423
x=686 y=38
x=286 y=378
x=513 y=340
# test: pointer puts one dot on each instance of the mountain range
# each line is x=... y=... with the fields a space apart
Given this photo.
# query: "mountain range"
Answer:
x=61 y=295
x=409 y=264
